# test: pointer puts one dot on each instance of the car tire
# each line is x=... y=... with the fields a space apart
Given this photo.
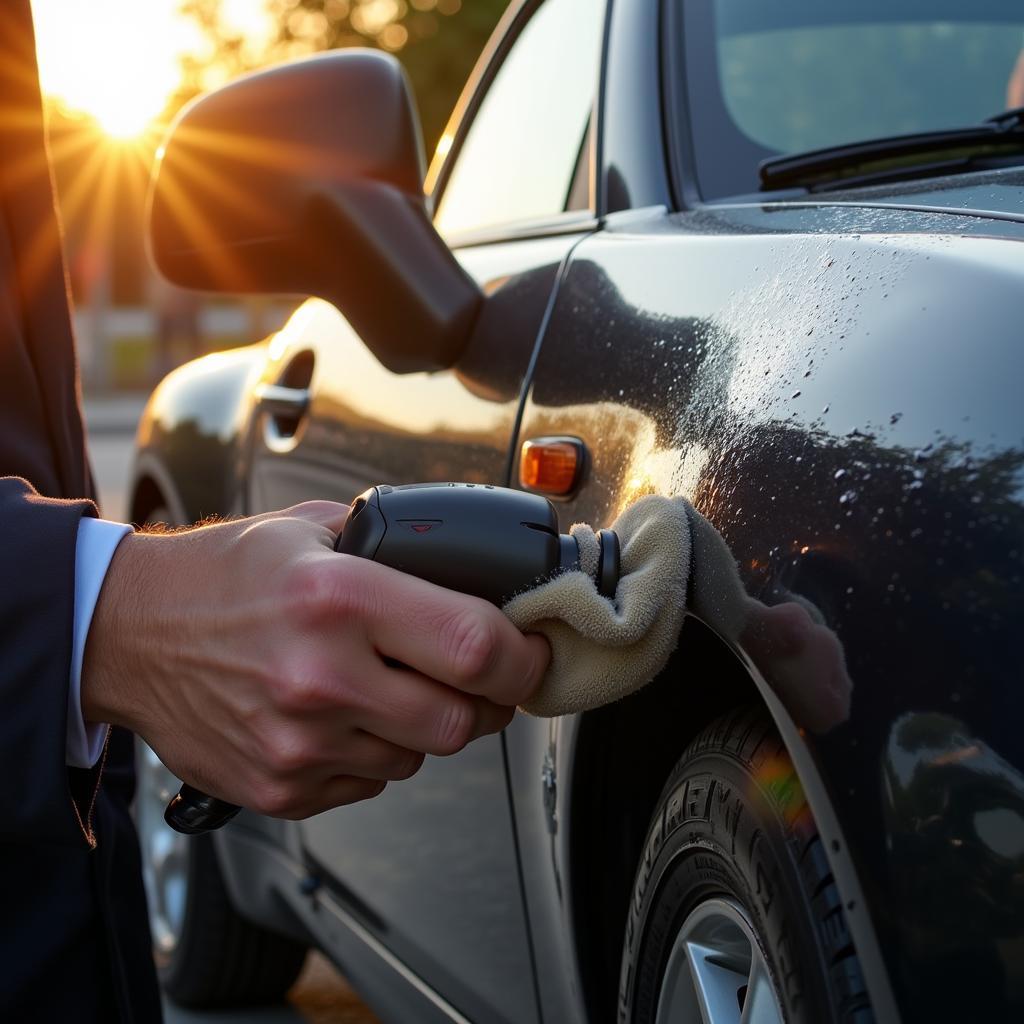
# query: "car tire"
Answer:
x=734 y=898
x=206 y=953
x=220 y=959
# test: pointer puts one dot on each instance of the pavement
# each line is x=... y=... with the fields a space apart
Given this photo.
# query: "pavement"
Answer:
x=111 y=424
x=321 y=995
x=114 y=414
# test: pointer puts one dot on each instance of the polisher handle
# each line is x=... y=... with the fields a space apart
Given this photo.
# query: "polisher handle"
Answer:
x=192 y=812
x=487 y=541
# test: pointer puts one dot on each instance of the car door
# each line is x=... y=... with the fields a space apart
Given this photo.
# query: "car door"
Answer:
x=430 y=867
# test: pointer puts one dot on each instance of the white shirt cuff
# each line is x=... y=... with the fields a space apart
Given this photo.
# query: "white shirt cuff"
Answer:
x=97 y=541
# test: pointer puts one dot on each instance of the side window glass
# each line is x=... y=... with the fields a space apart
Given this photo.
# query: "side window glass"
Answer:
x=521 y=155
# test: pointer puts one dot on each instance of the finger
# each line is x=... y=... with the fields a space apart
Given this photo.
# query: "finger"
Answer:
x=335 y=792
x=461 y=641
x=331 y=514
x=413 y=711
x=360 y=753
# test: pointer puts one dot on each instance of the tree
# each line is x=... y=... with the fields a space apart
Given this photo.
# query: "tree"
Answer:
x=438 y=42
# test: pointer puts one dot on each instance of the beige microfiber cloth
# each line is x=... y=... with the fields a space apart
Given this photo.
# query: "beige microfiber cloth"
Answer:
x=601 y=649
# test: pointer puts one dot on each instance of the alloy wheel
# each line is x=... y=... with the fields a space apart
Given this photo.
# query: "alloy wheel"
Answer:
x=164 y=851
x=716 y=972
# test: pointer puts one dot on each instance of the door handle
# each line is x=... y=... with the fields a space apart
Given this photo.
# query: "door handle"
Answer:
x=285 y=408
x=279 y=400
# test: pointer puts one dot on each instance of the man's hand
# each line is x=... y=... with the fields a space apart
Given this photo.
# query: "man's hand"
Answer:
x=260 y=664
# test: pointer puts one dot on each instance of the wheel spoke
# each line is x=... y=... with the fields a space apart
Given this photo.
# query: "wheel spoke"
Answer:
x=716 y=972
x=759 y=1006
x=716 y=984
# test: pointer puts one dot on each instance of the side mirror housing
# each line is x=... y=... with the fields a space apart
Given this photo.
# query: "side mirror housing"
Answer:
x=307 y=179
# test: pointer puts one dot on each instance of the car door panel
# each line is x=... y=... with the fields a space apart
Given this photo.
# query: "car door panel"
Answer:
x=431 y=867
x=367 y=425
x=431 y=863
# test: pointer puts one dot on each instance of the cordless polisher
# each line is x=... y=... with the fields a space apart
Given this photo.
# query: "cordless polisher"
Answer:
x=491 y=542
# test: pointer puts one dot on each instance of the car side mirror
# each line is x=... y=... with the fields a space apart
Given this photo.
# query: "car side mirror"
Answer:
x=307 y=179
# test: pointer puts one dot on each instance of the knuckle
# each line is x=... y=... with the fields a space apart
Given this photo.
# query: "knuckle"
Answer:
x=284 y=753
x=456 y=726
x=316 y=589
x=305 y=687
x=472 y=647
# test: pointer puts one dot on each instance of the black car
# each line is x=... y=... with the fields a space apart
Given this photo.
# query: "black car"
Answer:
x=761 y=255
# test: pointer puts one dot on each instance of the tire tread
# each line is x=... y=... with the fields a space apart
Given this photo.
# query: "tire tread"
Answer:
x=223 y=959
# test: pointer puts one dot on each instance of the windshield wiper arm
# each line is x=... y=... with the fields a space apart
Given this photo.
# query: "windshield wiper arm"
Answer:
x=897 y=154
x=1013 y=117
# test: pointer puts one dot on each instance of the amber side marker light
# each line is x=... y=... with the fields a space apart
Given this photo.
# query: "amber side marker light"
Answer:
x=552 y=465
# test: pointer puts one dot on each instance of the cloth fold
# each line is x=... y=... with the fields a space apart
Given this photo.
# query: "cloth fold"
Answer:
x=674 y=560
x=603 y=649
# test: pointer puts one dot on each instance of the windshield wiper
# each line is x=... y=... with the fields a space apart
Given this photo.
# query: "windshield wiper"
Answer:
x=924 y=153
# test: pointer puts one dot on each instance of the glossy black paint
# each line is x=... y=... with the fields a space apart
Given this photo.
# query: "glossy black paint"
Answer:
x=836 y=385
x=190 y=447
x=846 y=411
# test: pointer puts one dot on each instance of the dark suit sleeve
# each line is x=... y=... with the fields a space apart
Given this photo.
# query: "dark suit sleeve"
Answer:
x=37 y=583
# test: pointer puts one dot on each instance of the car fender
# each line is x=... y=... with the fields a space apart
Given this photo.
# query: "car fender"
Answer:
x=191 y=443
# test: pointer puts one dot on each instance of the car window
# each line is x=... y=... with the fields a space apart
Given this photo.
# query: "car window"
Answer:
x=519 y=157
x=796 y=75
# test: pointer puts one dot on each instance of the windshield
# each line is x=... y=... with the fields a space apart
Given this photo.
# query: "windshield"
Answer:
x=766 y=79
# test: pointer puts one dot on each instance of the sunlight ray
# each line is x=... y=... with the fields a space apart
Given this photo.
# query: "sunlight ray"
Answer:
x=82 y=190
x=218 y=260
x=197 y=173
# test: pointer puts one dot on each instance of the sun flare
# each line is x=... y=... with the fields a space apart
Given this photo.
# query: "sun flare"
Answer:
x=117 y=61
x=123 y=116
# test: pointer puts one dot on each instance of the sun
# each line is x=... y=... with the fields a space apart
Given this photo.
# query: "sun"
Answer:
x=123 y=123
x=124 y=114
x=114 y=60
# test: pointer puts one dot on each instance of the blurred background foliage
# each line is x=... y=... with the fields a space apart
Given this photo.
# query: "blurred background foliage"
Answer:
x=122 y=308
x=437 y=41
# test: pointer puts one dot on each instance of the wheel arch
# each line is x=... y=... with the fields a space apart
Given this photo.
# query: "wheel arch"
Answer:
x=153 y=486
x=621 y=756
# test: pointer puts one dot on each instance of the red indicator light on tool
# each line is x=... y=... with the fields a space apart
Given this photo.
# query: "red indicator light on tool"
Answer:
x=421 y=525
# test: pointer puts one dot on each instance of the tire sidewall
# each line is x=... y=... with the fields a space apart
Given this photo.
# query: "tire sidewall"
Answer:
x=717 y=834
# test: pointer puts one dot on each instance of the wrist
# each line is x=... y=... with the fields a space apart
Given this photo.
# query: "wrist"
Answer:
x=112 y=663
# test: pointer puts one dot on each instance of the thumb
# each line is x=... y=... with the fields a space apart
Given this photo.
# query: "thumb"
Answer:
x=331 y=514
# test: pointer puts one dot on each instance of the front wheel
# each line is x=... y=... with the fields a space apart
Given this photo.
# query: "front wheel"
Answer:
x=735 y=917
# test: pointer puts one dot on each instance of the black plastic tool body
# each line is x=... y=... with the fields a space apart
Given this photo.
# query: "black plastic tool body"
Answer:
x=487 y=541
x=491 y=542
